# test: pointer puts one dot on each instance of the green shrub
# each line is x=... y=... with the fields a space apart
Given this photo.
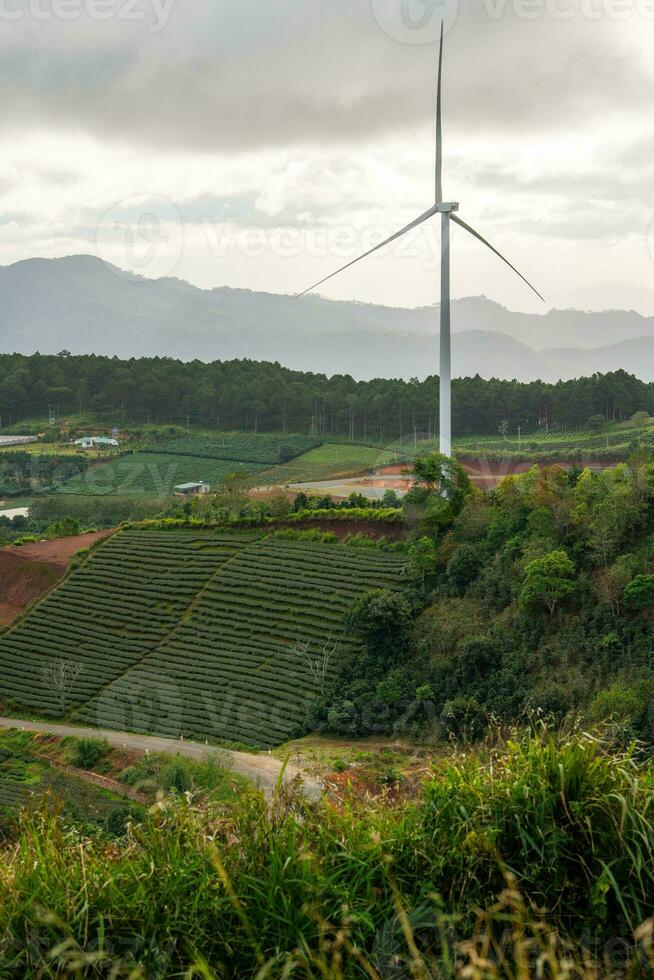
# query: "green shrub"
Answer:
x=463 y=568
x=154 y=773
x=176 y=776
x=639 y=594
x=464 y=719
x=477 y=657
x=87 y=752
x=548 y=581
x=630 y=705
x=382 y=619
x=552 y=702
x=65 y=527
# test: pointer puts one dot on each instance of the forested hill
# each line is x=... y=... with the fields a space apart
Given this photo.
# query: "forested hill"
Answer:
x=263 y=396
x=83 y=304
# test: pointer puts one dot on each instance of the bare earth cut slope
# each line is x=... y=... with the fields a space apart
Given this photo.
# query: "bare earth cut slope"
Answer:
x=28 y=572
x=205 y=634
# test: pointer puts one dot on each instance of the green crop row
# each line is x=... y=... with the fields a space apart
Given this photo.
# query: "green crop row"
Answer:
x=150 y=474
x=193 y=632
x=266 y=449
x=240 y=665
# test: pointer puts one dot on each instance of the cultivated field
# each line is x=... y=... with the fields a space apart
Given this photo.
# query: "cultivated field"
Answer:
x=151 y=475
x=613 y=441
x=326 y=462
x=27 y=776
x=241 y=447
x=191 y=633
x=164 y=463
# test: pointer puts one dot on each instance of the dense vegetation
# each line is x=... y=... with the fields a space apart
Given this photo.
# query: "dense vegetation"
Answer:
x=27 y=777
x=543 y=847
x=213 y=634
x=24 y=473
x=251 y=396
x=535 y=597
x=91 y=512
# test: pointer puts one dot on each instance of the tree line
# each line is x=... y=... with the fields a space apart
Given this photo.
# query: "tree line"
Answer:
x=262 y=396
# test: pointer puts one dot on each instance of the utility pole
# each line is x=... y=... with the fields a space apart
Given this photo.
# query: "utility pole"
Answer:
x=188 y=424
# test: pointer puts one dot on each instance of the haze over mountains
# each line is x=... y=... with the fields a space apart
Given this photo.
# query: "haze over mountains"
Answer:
x=82 y=304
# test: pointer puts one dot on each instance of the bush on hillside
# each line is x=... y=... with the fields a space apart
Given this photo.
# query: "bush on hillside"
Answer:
x=548 y=581
x=382 y=619
x=85 y=753
x=639 y=594
x=463 y=568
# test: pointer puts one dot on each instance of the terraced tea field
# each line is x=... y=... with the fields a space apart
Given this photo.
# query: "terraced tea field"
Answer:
x=151 y=475
x=240 y=447
x=198 y=634
x=106 y=616
x=328 y=462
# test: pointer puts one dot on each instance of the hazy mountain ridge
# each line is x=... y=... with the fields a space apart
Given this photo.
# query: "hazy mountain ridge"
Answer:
x=83 y=304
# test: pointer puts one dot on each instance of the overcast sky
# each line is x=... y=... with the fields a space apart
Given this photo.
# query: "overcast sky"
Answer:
x=262 y=144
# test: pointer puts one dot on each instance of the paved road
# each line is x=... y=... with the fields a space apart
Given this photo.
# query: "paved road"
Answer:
x=263 y=770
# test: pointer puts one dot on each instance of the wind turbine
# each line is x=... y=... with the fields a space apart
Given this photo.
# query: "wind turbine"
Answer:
x=447 y=211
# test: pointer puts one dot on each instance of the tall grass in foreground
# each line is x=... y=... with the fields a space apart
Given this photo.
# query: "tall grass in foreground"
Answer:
x=533 y=859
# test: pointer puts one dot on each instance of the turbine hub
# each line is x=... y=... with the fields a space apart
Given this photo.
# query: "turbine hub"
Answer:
x=447 y=208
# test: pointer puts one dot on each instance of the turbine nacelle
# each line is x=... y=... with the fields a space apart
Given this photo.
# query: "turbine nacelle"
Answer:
x=446 y=208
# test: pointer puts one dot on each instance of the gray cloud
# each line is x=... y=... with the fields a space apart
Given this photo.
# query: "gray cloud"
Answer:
x=302 y=112
x=228 y=75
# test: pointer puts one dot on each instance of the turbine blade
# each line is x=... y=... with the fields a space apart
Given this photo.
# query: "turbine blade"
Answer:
x=398 y=234
x=439 y=124
x=475 y=234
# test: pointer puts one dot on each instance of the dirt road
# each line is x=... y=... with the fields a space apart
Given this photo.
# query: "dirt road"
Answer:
x=263 y=770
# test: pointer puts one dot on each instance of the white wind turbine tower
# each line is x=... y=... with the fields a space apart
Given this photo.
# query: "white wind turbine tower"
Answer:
x=447 y=212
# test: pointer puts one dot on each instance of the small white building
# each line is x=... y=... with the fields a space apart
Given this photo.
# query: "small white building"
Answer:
x=192 y=489
x=97 y=442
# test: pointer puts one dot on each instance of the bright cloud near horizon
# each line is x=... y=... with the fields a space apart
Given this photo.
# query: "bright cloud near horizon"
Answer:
x=230 y=142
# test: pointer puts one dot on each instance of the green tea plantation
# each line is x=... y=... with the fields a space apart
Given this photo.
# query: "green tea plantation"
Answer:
x=203 y=634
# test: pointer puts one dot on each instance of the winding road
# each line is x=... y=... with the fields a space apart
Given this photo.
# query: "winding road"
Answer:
x=263 y=770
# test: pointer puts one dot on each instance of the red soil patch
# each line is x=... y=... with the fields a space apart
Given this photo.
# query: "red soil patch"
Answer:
x=9 y=612
x=58 y=552
x=29 y=572
x=394 y=469
x=22 y=580
x=269 y=493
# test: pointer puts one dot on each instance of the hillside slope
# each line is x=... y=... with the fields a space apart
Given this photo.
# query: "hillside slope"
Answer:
x=82 y=304
x=193 y=633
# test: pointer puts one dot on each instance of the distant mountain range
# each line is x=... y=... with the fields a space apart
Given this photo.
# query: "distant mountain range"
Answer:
x=84 y=305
